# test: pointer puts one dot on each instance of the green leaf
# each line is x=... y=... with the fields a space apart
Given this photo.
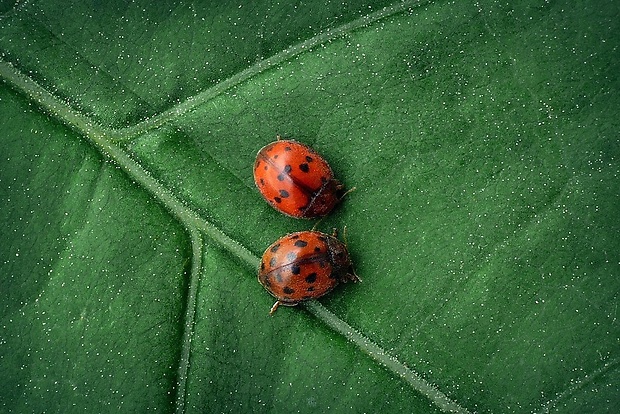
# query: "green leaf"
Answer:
x=482 y=138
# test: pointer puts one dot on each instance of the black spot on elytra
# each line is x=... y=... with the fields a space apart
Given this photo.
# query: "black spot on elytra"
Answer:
x=277 y=199
x=291 y=257
x=310 y=289
x=262 y=266
x=311 y=278
x=324 y=180
x=279 y=277
x=287 y=148
x=272 y=262
x=287 y=168
x=304 y=167
x=276 y=156
x=317 y=249
x=295 y=236
x=309 y=158
x=284 y=194
x=301 y=243
x=295 y=269
x=262 y=182
x=281 y=177
x=275 y=248
x=288 y=290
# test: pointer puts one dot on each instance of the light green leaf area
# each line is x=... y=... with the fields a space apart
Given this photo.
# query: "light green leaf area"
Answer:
x=482 y=139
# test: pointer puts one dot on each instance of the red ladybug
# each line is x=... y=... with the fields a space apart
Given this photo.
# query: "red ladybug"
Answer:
x=296 y=180
x=304 y=265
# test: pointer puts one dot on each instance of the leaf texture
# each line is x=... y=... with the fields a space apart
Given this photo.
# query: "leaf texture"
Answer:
x=482 y=138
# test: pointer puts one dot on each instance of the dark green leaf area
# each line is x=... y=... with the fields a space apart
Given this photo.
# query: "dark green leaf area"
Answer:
x=92 y=282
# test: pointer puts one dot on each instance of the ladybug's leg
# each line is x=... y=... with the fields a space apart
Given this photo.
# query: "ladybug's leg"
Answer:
x=317 y=223
x=352 y=276
x=340 y=187
x=274 y=307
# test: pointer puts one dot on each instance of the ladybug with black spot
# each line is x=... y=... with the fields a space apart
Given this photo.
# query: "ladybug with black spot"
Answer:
x=304 y=265
x=296 y=180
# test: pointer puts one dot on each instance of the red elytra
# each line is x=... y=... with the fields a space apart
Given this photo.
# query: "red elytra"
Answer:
x=296 y=180
x=304 y=265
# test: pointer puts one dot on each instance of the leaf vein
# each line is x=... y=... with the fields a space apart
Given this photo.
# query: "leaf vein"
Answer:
x=128 y=133
x=190 y=314
x=381 y=356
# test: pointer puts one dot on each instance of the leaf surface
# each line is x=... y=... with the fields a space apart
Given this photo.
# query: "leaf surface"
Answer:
x=483 y=142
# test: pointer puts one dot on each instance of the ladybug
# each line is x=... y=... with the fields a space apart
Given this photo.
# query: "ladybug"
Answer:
x=296 y=180
x=304 y=265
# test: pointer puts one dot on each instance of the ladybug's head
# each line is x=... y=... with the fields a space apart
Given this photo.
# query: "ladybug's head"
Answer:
x=324 y=200
x=339 y=256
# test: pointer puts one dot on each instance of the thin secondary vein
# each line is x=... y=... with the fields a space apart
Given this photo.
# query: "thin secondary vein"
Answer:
x=190 y=316
x=192 y=102
x=579 y=384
